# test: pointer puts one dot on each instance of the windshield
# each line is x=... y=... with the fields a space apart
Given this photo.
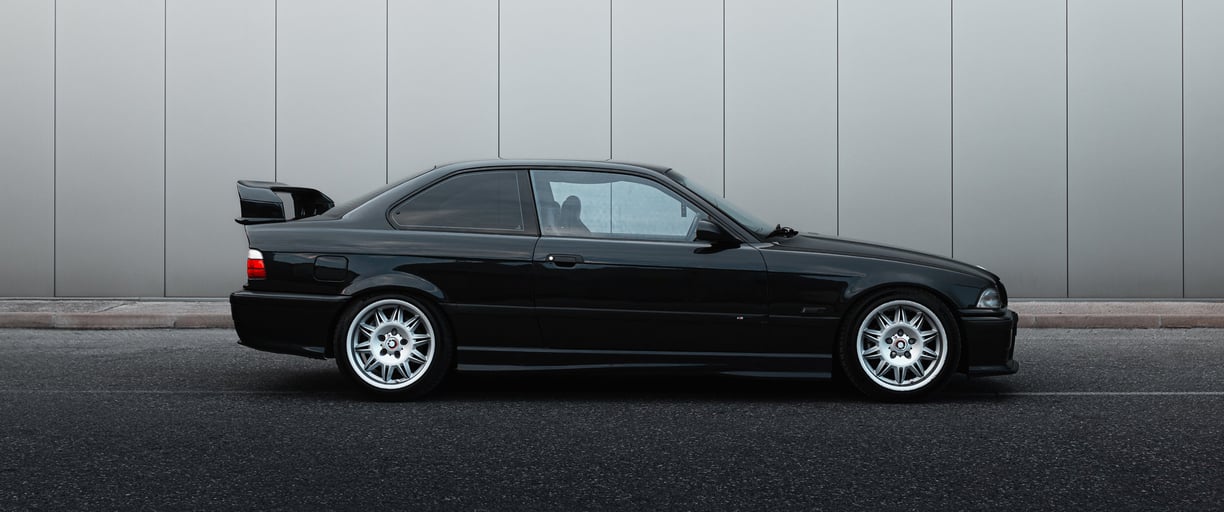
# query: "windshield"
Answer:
x=743 y=218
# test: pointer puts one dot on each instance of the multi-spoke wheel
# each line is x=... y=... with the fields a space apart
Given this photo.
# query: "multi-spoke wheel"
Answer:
x=393 y=346
x=902 y=345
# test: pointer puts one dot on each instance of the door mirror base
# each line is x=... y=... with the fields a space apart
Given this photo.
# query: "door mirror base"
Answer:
x=710 y=232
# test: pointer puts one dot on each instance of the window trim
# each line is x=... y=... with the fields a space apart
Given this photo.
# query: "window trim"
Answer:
x=531 y=222
x=637 y=237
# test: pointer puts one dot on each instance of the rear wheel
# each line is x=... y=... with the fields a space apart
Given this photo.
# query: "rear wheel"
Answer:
x=394 y=347
x=900 y=346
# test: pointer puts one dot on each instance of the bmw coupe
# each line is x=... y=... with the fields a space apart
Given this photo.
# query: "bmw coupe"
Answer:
x=554 y=265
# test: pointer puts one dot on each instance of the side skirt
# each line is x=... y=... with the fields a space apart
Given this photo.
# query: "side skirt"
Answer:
x=510 y=359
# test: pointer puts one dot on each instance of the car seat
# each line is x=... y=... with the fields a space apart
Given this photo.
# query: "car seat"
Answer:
x=549 y=221
x=569 y=221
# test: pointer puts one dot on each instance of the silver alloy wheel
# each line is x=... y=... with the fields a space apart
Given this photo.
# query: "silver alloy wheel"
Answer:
x=902 y=345
x=390 y=344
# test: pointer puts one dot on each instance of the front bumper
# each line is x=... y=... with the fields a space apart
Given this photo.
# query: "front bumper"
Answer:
x=989 y=339
x=286 y=323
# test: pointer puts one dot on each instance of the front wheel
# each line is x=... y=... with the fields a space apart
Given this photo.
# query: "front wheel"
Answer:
x=394 y=347
x=900 y=346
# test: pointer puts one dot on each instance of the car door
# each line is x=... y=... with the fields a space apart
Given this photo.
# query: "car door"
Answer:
x=617 y=268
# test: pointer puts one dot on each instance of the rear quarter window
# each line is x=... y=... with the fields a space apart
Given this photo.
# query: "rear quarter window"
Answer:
x=476 y=201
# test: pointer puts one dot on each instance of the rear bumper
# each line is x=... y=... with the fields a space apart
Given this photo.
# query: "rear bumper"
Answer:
x=989 y=341
x=286 y=323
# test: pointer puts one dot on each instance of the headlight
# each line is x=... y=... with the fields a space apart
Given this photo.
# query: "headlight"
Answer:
x=990 y=299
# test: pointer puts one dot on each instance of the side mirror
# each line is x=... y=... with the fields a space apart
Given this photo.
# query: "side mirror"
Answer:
x=710 y=232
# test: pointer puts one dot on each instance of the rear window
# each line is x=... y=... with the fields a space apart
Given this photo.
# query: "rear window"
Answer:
x=479 y=201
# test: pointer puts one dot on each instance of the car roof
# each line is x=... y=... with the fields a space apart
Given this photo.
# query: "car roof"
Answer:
x=588 y=164
x=376 y=206
x=405 y=185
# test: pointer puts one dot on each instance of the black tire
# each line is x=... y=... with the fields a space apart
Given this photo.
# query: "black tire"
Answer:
x=909 y=372
x=398 y=364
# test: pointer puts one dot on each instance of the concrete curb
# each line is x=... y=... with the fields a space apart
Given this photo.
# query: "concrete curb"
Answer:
x=169 y=314
x=1100 y=321
x=91 y=321
x=114 y=314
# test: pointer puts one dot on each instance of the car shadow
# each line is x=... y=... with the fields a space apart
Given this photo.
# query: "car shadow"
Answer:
x=640 y=388
x=549 y=387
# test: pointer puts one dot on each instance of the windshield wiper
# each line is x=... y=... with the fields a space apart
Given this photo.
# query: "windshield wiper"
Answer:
x=785 y=231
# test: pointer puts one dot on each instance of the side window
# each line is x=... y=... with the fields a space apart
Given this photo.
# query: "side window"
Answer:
x=608 y=205
x=483 y=201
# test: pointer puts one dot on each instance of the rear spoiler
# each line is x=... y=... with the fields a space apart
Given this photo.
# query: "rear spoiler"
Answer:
x=262 y=203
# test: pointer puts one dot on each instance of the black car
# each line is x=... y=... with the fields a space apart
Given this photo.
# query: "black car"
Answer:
x=551 y=265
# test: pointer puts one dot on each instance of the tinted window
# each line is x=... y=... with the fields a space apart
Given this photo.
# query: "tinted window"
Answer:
x=609 y=205
x=480 y=201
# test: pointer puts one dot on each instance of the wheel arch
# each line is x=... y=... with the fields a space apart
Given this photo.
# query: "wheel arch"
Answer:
x=879 y=289
x=395 y=282
x=855 y=305
x=431 y=300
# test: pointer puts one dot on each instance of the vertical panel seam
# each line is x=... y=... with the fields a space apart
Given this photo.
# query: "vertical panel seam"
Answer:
x=275 y=89
x=165 y=173
x=499 y=130
x=951 y=128
x=724 y=98
x=837 y=116
x=610 y=89
x=1183 y=146
x=386 y=91
x=54 y=145
x=1067 y=139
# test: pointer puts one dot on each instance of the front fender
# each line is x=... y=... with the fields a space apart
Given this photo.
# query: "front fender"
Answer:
x=959 y=291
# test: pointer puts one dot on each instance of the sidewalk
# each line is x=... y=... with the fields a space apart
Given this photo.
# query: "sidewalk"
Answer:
x=198 y=314
x=114 y=314
x=1119 y=315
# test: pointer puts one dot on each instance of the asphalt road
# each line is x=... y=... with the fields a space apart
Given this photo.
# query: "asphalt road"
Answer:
x=1096 y=420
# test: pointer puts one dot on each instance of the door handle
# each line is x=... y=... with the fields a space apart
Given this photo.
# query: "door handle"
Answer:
x=564 y=260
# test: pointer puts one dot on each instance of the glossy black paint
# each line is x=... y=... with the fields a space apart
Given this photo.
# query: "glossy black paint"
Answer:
x=631 y=295
x=746 y=304
x=302 y=326
x=260 y=203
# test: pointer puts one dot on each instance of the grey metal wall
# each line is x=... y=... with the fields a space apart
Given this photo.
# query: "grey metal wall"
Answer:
x=1009 y=143
x=1072 y=146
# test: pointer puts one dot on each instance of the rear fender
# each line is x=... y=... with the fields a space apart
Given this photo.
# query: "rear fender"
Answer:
x=395 y=281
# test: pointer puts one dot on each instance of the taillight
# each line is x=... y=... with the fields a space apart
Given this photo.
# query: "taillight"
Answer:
x=255 y=265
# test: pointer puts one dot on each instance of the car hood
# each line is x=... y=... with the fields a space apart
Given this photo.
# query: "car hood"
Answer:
x=811 y=242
